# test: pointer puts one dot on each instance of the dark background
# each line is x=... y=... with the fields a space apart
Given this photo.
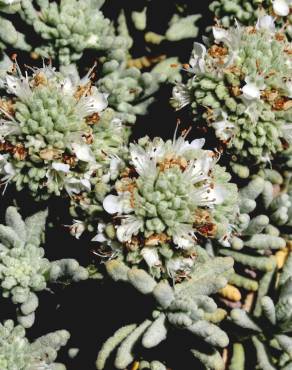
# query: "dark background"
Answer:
x=93 y=310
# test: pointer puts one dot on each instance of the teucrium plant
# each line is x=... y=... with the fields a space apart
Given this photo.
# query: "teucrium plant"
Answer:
x=168 y=218
x=24 y=270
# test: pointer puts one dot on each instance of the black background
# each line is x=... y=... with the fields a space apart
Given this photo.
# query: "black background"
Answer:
x=93 y=310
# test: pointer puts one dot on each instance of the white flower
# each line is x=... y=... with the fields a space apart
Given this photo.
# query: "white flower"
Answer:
x=94 y=103
x=289 y=88
x=116 y=164
x=267 y=23
x=7 y=170
x=175 y=265
x=18 y=86
x=47 y=70
x=61 y=174
x=250 y=91
x=118 y=203
x=77 y=228
x=181 y=146
x=74 y=185
x=36 y=142
x=5 y=66
x=142 y=161
x=198 y=170
x=61 y=167
x=287 y=132
x=83 y=152
x=221 y=35
x=216 y=194
x=100 y=237
x=224 y=129
x=232 y=39
x=252 y=88
x=197 y=61
x=10 y=2
x=252 y=110
x=8 y=127
x=130 y=226
x=92 y=40
x=150 y=256
x=181 y=95
x=145 y=160
x=68 y=85
x=184 y=236
x=206 y=196
x=282 y=7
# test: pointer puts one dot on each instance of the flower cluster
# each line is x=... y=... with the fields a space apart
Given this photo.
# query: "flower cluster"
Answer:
x=247 y=12
x=67 y=29
x=168 y=196
x=241 y=86
x=49 y=134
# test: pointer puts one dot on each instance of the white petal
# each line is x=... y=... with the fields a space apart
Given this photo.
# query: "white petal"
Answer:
x=77 y=229
x=101 y=227
x=197 y=61
x=250 y=91
x=289 y=88
x=68 y=86
x=266 y=22
x=112 y=204
x=219 y=194
x=9 y=2
x=197 y=143
x=19 y=87
x=72 y=185
x=224 y=129
x=281 y=7
x=144 y=165
x=91 y=104
x=9 y=169
x=61 y=167
x=100 y=238
x=181 y=95
x=182 y=242
x=178 y=264
x=92 y=40
x=115 y=166
x=86 y=183
x=150 y=256
x=83 y=152
x=180 y=145
x=184 y=236
x=220 y=34
x=287 y=132
x=129 y=227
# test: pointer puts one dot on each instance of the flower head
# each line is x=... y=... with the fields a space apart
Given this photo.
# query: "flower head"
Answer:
x=269 y=14
x=244 y=90
x=170 y=195
x=48 y=131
